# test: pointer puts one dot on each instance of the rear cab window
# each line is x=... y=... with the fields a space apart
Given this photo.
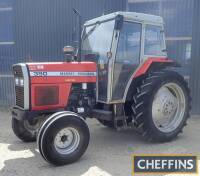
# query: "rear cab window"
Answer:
x=154 y=41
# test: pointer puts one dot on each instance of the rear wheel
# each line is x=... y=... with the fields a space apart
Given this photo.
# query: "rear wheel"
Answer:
x=161 y=106
x=63 y=138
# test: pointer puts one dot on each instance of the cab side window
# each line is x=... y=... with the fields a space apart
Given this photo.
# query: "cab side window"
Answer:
x=154 y=41
x=129 y=43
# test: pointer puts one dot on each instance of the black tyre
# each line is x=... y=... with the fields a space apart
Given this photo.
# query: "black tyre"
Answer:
x=43 y=127
x=63 y=138
x=161 y=106
x=25 y=130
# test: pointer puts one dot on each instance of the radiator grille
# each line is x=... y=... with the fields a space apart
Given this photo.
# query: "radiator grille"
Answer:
x=19 y=91
x=19 y=96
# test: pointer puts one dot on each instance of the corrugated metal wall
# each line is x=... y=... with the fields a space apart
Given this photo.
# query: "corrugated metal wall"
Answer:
x=38 y=30
x=195 y=71
x=44 y=27
x=6 y=51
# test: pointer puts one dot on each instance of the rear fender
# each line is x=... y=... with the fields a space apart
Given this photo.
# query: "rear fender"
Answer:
x=154 y=64
x=147 y=66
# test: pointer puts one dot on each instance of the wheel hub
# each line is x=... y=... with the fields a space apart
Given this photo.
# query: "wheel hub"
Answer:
x=66 y=140
x=167 y=109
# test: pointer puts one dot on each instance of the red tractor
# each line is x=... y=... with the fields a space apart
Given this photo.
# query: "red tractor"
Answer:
x=120 y=78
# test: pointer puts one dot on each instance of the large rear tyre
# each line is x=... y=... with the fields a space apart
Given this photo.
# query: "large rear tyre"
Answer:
x=63 y=138
x=26 y=130
x=161 y=106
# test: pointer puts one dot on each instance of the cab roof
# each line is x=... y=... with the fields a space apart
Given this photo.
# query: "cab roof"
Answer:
x=130 y=16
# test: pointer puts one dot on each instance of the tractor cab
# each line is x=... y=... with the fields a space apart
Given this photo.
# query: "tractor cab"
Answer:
x=119 y=43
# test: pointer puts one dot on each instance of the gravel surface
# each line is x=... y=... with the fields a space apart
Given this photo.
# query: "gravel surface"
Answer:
x=109 y=152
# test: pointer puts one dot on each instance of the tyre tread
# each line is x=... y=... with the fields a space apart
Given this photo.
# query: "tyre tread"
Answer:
x=140 y=110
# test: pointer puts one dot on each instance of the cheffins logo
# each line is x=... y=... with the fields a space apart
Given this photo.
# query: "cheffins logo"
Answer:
x=157 y=164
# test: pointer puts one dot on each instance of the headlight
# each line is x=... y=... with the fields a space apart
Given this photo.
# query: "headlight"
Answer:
x=19 y=81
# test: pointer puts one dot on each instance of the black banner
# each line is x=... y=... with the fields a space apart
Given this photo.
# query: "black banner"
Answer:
x=165 y=164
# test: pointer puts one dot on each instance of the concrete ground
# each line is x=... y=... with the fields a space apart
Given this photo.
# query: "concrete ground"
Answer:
x=109 y=152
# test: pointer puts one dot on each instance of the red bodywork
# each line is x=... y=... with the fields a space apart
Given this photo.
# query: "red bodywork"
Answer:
x=52 y=82
x=59 y=77
x=147 y=64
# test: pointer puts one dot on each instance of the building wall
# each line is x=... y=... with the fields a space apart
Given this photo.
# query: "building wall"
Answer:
x=44 y=27
x=195 y=71
x=37 y=31
x=6 y=51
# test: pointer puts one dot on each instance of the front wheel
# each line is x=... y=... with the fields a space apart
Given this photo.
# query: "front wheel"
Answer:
x=63 y=138
x=161 y=106
x=26 y=130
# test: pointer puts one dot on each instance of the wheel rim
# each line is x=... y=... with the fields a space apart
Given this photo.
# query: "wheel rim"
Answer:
x=67 y=140
x=168 y=107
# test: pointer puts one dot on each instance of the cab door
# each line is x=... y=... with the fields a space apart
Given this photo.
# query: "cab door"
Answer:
x=103 y=46
x=127 y=58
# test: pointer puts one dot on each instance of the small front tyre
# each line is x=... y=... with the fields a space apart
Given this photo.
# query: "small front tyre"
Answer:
x=63 y=138
x=26 y=130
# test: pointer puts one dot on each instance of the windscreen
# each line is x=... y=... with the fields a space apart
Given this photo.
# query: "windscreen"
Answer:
x=96 y=44
x=96 y=41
